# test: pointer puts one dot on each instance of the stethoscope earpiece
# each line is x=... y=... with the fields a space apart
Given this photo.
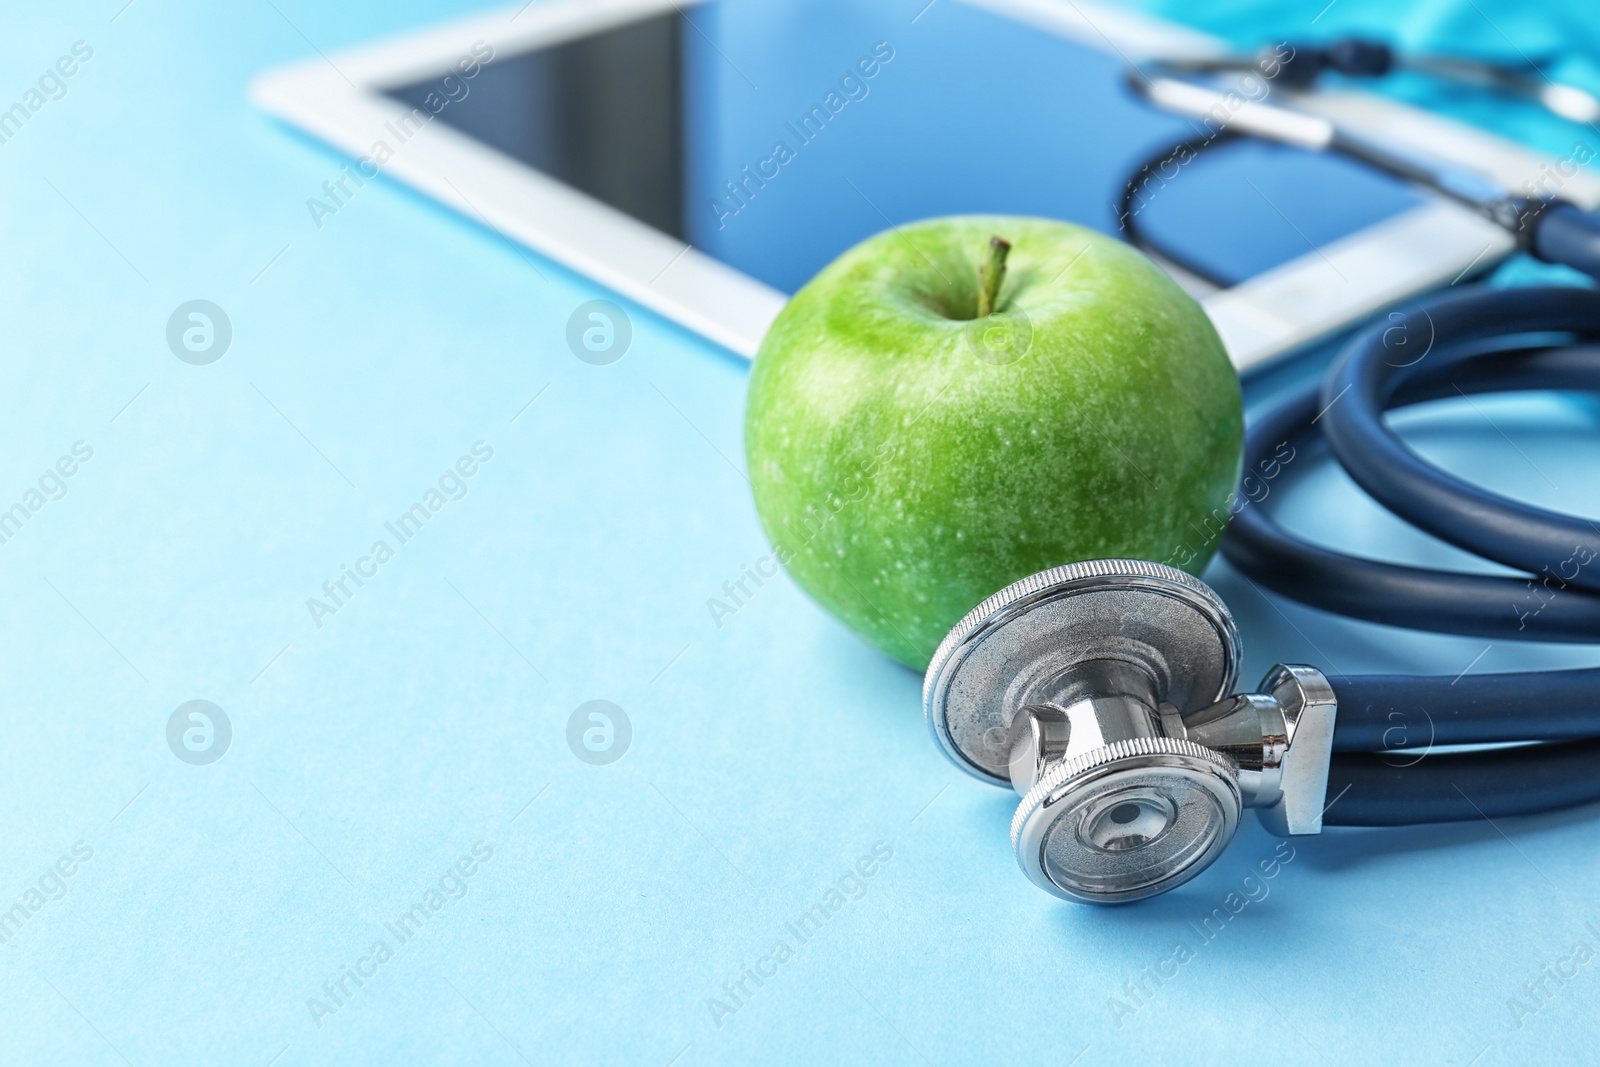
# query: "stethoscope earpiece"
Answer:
x=1101 y=692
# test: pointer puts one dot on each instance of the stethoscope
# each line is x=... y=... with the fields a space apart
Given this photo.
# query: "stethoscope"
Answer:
x=1103 y=692
x=1196 y=88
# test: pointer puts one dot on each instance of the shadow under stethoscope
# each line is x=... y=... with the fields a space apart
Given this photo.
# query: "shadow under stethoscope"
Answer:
x=1258 y=875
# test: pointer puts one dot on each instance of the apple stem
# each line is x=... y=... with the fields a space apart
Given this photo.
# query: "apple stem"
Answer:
x=991 y=274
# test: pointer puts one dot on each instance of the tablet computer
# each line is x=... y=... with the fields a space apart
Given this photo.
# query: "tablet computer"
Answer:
x=706 y=157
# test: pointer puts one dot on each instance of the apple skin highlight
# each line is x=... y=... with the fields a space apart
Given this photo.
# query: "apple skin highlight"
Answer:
x=909 y=459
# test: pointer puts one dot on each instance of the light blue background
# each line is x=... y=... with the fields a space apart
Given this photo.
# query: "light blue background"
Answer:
x=430 y=712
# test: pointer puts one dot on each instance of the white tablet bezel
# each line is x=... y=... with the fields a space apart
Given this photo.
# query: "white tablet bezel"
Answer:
x=340 y=99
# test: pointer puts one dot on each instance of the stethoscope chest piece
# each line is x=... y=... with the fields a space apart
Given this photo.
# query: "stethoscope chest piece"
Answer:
x=1100 y=692
x=1127 y=821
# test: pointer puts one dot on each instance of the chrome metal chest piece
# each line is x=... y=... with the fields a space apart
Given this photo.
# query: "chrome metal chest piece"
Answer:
x=1102 y=693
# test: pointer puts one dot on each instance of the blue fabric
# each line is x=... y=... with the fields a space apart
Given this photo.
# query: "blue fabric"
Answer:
x=401 y=770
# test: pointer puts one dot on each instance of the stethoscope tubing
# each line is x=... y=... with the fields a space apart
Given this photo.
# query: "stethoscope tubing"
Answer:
x=1398 y=789
x=1358 y=389
x=1494 y=607
x=1460 y=344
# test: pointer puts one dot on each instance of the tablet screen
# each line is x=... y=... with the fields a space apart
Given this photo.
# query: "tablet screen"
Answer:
x=774 y=136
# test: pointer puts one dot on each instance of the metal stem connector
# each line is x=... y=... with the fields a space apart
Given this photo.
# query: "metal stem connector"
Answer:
x=1281 y=740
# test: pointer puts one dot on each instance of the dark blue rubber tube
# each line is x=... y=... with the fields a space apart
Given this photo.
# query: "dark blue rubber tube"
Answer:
x=1363 y=382
x=1387 y=772
x=1408 y=715
x=1415 y=598
x=1568 y=235
x=1382 y=789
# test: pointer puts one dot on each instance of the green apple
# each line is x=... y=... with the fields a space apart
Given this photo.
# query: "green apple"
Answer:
x=955 y=404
